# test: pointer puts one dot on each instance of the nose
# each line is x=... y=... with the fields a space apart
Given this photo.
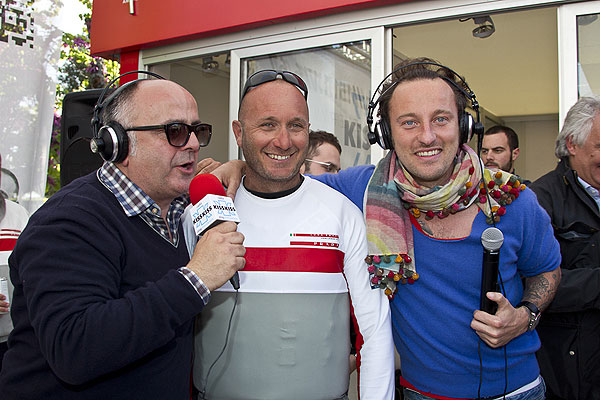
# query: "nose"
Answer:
x=192 y=143
x=282 y=139
x=427 y=136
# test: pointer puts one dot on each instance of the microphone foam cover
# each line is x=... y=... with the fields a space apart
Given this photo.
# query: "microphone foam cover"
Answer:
x=204 y=184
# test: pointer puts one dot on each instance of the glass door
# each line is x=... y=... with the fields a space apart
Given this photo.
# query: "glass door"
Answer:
x=579 y=52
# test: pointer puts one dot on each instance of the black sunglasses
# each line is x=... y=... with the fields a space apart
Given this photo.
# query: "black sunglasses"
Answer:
x=178 y=133
x=269 y=75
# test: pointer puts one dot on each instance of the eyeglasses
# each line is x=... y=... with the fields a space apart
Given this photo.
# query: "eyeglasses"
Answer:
x=329 y=167
x=269 y=75
x=178 y=133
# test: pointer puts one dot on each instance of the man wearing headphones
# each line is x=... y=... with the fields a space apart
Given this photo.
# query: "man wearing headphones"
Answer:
x=426 y=207
x=105 y=292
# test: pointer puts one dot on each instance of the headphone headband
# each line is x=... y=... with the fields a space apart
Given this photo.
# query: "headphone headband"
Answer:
x=111 y=141
x=466 y=90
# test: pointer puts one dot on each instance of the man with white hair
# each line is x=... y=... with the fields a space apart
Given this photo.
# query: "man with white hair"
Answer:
x=570 y=354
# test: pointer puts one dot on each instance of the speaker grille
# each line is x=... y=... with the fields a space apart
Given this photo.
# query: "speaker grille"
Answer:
x=76 y=158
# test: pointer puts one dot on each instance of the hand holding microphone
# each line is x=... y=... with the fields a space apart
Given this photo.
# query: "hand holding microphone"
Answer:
x=220 y=252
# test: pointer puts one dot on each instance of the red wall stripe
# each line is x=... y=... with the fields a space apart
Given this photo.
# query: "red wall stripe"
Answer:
x=158 y=22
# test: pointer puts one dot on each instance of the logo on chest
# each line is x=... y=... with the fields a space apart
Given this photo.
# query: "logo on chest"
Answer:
x=315 y=239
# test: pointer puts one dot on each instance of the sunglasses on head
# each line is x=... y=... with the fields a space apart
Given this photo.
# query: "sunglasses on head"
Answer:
x=178 y=133
x=269 y=75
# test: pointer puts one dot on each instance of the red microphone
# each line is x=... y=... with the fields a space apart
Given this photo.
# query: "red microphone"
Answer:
x=211 y=206
x=204 y=184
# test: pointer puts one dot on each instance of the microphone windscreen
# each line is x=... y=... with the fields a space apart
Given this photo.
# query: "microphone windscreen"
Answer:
x=492 y=239
x=204 y=184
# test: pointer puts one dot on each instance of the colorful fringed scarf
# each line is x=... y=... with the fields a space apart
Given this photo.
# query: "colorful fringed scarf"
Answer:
x=392 y=194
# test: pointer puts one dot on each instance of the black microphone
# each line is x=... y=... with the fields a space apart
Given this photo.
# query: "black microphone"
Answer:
x=211 y=206
x=491 y=239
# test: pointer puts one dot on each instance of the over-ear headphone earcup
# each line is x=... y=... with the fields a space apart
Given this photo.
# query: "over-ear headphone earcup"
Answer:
x=465 y=126
x=112 y=142
x=379 y=131
x=385 y=133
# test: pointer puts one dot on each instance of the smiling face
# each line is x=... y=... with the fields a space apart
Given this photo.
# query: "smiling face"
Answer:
x=424 y=124
x=162 y=171
x=272 y=132
x=585 y=159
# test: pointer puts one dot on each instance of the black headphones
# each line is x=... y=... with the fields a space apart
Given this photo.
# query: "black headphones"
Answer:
x=110 y=140
x=379 y=128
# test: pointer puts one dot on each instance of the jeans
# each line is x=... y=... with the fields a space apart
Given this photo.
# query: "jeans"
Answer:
x=535 y=393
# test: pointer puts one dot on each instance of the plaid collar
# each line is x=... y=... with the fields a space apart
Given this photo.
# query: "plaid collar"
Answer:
x=135 y=202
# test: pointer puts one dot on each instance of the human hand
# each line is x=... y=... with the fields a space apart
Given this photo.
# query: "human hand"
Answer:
x=218 y=255
x=230 y=174
x=498 y=329
x=352 y=361
x=207 y=166
x=3 y=304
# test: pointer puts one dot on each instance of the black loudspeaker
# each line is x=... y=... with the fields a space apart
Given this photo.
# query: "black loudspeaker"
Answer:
x=76 y=158
x=380 y=130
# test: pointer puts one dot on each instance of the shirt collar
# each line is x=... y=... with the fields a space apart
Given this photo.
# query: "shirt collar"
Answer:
x=591 y=190
x=131 y=197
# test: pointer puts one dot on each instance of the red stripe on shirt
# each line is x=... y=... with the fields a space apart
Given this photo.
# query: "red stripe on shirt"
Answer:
x=10 y=231
x=325 y=260
x=7 y=244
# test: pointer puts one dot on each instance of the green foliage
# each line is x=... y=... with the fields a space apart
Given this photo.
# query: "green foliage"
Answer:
x=53 y=179
x=78 y=71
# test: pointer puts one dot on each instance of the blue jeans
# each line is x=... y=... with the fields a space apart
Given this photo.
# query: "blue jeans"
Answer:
x=535 y=393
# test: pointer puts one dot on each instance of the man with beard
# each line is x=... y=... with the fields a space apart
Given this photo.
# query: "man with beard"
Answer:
x=500 y=149
x=304 y=271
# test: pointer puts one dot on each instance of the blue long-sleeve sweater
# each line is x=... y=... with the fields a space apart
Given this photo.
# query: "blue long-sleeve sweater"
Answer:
x=99 y=308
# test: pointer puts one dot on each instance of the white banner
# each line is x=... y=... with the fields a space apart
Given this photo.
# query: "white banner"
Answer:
x=29 y=54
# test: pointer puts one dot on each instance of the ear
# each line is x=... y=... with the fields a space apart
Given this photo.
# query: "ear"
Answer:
x=125 y=162
x=237 y=131
x=515 y=153
x=572 y=147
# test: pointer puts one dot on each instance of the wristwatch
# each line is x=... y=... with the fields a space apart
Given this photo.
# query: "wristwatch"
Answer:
x=534 y=314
